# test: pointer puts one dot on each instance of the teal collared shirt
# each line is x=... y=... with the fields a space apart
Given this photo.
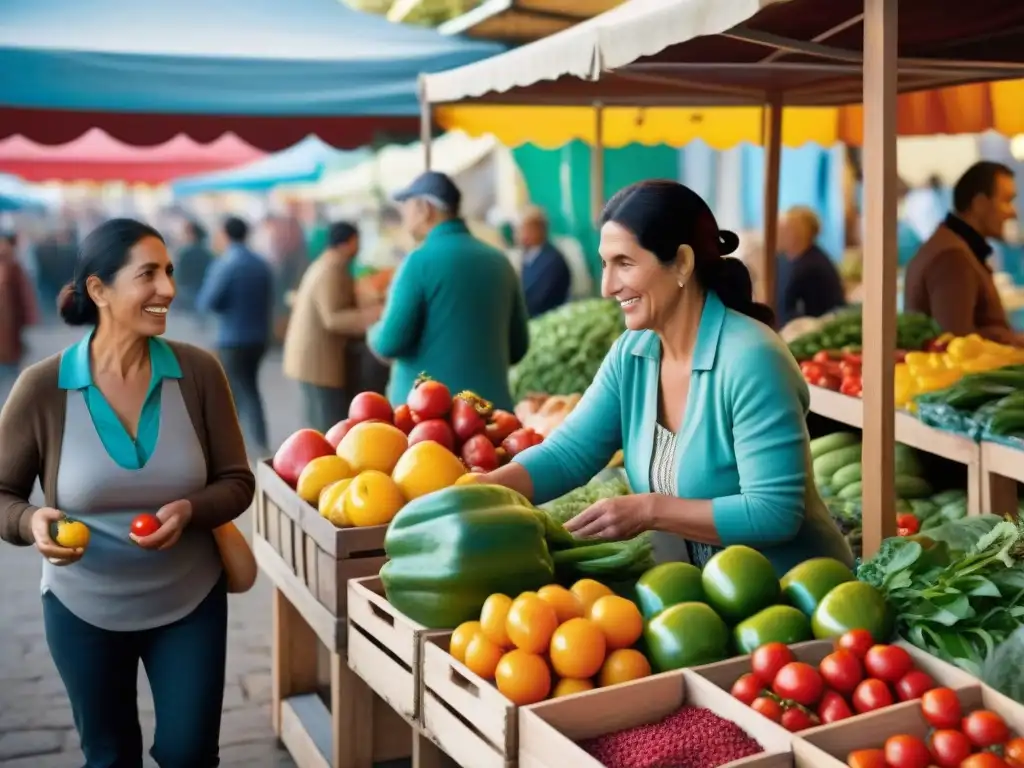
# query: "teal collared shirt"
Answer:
x=743 y=443
x=76 y=374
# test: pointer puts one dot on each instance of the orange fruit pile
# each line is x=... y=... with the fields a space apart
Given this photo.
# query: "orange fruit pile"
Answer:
x=553 y=642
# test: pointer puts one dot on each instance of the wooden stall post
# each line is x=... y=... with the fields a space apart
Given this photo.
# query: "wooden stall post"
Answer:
x=880 y=181
x=425 y=124
x=772 y=140
x=597 y=165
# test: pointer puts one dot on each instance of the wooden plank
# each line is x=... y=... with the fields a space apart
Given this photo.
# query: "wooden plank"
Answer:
x=1002 y=468
x=302 y=731
x=293 y=659
x=351 y=719
x=772 y=127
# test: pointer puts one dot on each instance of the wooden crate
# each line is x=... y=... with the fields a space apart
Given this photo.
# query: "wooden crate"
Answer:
x=828 y=746
x=462 y=713
x=384 y=646
x=321 y=556
x=549 y=732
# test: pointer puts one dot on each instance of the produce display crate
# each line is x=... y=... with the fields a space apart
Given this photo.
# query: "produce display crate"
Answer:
x=1002 y=469
x=548 y=731
x=828 y=746
x=384 y=647
x=313 y=556
x=465 y=715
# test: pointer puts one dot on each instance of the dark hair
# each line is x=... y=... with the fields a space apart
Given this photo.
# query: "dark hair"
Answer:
x=663 y=215
x=196 y=230
x=103 y=254
x=341 y=232
x=236 y=229
x=979 y=179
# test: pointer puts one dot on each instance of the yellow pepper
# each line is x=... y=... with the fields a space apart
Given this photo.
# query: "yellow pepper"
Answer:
x=917 y=360
x=965 y=347
x=937 y=380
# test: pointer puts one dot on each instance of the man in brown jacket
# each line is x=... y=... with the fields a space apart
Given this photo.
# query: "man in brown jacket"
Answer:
x=324 y=313
x=949 y=278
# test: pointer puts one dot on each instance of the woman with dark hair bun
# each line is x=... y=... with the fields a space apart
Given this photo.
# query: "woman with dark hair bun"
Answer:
x=702 y=395
x=118 y=424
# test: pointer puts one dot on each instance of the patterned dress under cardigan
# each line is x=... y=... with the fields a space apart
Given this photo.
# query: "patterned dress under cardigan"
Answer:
x=667 y=546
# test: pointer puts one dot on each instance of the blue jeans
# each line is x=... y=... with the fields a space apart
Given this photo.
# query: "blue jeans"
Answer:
x=184 y=662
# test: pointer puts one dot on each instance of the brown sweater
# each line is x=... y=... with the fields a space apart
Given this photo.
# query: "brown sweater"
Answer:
x=32 y=430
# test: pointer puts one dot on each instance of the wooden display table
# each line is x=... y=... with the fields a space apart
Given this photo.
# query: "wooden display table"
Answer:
x=1003 y=469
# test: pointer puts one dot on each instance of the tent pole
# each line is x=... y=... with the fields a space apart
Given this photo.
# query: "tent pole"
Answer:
x=772 y=140
x=880 y=186
x=597 y=165
x=425 y=123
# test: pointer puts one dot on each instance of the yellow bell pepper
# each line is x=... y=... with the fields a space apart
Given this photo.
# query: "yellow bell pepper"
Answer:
x=936 y=380
x=965 y=347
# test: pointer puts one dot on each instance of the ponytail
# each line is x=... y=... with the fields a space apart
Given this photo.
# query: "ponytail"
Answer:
x=730 y=279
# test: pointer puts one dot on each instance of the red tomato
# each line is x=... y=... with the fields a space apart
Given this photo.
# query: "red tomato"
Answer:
x=841 y=670
x=867 y=758
x=984 y=728
x=827 y=381
x=888 y=663
x=501 y=425
x=949 y=748
x=851 y=386
x=145 y=524
x=403 y=418
x=824 y=356
x=914 y=685
x=428 y=400
x=370 y=406
x=870 y=695
x=908 y=521
x=984 y=760
x=907 y=752
x=941 y=708
x=770 y=708
x=767 y=660
x=433 y=429
x=833 y=708
x=811 y=370
x=799 y=682
x=795 y=719
x=469 y=415
x=746 y=688
x=857 y=641
x=520 y=440
x=1013 y=751
x=337 y=433
x=480 y=452
x=297 y=451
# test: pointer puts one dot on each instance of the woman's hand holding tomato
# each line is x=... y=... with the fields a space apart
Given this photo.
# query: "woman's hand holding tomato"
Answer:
x=42 y=521
x=173 y=519
x=615 y=519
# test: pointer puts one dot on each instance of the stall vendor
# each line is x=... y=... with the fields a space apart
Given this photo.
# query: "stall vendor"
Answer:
x=702 y=395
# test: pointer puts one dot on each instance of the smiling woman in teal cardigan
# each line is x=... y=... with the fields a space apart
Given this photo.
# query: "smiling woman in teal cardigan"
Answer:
x=702 y=395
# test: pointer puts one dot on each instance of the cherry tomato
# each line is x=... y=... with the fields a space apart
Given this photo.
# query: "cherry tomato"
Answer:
x=746 y=688
x=870 y=695
x=857 y=641
x=941 y=708
x=767 y=660
x=906 y=751
x=1013 y=751
x=795 y=719
x=811 y=370
x=824 y=356
x=888 y=663
x=144 y=525
x=909 y=521
x=841 y=670
x=949 y=748
x=984 y=728
x=867 y=758
x=827 y=381
x=833 y=708
x=799 y=682
x=770 y=708
x=984 y=760
x=914 y=685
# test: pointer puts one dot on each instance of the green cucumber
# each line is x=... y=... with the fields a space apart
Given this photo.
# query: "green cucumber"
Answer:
x=822 y=445
x=945 y=497
x=852 y=491
x=909 y=487
x=833 y=461
x=851 y=473
x=1007 y=422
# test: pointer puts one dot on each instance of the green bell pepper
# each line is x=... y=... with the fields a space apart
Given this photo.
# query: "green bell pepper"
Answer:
x=450 y=550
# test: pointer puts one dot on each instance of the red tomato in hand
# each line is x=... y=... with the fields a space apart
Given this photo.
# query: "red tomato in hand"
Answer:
x=795 y=719
x=833 y=708
x=985 y=728
x=857 y=641
x=767 y=660
x=746 y=688
x=370 y=406
x=480 y=452
x=888 y=663
x=941 y=708
x=433 y=429
x=867 y=758
x=907 y=752
x=145 y=524
x=841 y=670
x=914 y=685
x=799 y=682
x=870 y=695
x=770 y=708
x=403 y=418
x=428 y=400
x=949 y=748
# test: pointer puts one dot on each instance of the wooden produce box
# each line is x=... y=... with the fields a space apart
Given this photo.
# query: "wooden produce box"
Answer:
x=384 y=647
x=549 y=731
x=828 y=746
x=321 y=556
x=465 y=715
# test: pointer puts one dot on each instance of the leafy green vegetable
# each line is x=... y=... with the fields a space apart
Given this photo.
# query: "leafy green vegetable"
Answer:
x=1003 y=668
x=567 y=507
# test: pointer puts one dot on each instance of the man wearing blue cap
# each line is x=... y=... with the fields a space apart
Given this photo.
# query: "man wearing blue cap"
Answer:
x=455 y=309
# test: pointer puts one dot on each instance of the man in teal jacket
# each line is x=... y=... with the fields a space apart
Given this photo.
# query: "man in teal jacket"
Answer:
x=455 y=309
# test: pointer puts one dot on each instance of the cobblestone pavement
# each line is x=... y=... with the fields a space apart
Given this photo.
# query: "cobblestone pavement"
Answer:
x=36 y=730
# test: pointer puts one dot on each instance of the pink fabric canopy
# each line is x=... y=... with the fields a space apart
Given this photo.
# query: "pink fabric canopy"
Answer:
x=96 y=156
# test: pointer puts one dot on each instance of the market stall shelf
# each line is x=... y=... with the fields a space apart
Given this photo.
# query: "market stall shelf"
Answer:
x=549 y=732
x=1002 y=470
x=828 y=746
x=911 y=432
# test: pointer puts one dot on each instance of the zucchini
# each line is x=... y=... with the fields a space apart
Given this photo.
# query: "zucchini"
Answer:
x=833 y=461
x=973 y=396
x=945 y=497
x=851 y=492
x=1007 y=422
x=909 y=487
x=851 y=473
x=822 y=445
x=907 y=463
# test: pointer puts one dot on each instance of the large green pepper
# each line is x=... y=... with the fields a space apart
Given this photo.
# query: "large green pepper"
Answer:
x=450 y=550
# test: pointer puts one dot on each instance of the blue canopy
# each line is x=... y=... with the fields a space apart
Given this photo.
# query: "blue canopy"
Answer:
x=304 y=163
x=236 y=58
